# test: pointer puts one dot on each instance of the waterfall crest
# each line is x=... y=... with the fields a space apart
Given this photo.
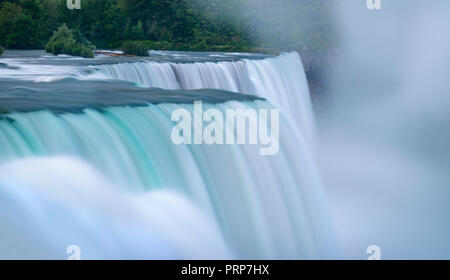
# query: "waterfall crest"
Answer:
x=281 y=80
x=252 y=206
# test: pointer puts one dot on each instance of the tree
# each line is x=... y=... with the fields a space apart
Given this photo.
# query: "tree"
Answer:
x=9 y=12
x=135 y=48
x=137 y=32
x=71 y=42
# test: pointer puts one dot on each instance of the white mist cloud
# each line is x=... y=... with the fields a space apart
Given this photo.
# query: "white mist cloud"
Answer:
x=386 y=129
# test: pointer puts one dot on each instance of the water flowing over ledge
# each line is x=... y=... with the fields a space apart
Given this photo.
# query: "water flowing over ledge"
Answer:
x=280 y=80
x=122 y=156
x=71 y=95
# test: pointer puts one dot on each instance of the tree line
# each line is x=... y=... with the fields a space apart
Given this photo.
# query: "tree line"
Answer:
x=203 y=25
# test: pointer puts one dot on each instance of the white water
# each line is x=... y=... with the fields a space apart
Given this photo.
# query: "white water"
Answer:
x=58 y=201
x=247 y=206
x=280 y=80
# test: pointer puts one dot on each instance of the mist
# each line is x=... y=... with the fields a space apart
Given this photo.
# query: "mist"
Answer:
x=379 y=83
x=385 y=129
x=363 y=159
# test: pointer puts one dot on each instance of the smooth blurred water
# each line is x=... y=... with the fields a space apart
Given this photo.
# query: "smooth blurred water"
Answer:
x=51 y=203
x=108 y=178
x=280 y=80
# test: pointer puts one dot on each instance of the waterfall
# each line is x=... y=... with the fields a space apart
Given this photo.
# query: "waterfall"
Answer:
x=280 y=80
x=225 y=75
x=114 y=174
x=61 y=201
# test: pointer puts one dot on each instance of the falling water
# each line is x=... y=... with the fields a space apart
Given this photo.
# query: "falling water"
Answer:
x=281 y=80
x=109 y=179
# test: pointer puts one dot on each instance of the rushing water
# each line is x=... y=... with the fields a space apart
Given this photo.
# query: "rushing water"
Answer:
x=86 y=159
x=281 y=80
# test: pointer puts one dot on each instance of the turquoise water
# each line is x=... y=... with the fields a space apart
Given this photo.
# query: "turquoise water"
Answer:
x=86 y=159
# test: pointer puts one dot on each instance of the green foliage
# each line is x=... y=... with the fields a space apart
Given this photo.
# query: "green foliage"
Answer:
x=197 y=25
x=71 y=42
x=162 y=45
x=20 y=25
x=138 y=48
x=1 y=50
x=137 y=31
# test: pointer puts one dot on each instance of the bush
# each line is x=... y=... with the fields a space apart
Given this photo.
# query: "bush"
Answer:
x=159 y=46
x=70 y=42
x=138 y=48
x=18 y=29
x=1 y=50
